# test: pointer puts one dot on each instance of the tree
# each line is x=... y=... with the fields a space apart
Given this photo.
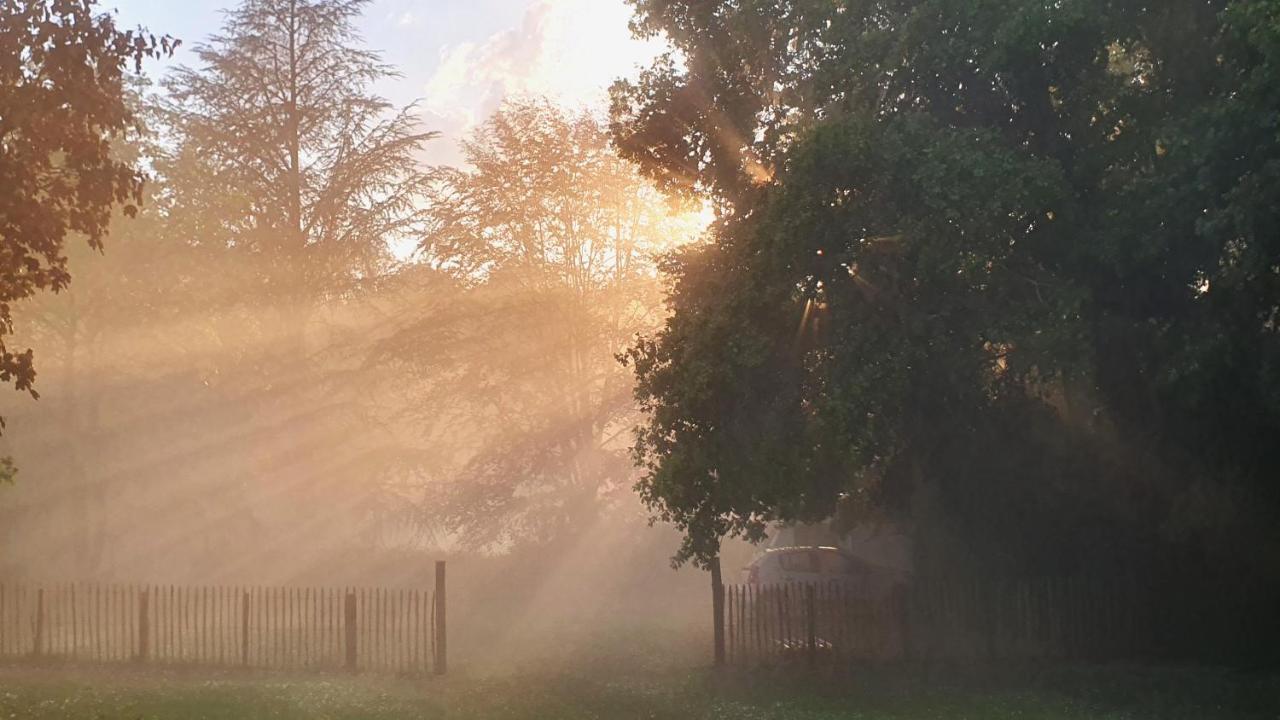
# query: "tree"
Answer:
x=156 y=364
x=555 y=238
x=1016 y=256
x=63 y=69
x=107 y=342
x=326 y=172
x=316 y=177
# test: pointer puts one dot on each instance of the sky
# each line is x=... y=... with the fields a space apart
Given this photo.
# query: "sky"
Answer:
x=458 y=58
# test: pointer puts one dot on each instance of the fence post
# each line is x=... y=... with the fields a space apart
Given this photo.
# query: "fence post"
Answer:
x=244 y=628
x=39 y=639
x=730 y=635
x=349 y=622
x=811 y=616
x=717 y=610
x=442 y=640
x=144 y=623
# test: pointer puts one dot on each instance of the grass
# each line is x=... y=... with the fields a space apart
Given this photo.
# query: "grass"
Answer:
x=916 y=694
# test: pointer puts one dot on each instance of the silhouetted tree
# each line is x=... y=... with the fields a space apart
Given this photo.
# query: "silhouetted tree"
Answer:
x=1017 y=256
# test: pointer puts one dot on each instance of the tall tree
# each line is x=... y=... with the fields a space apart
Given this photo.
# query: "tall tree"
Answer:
x=63 y=68
x=1018 y=255
x=325 y=172
x=319 y=177
x=287 y=169
x=556 y=238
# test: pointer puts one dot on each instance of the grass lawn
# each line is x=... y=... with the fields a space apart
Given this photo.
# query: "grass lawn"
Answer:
x=1115 y=692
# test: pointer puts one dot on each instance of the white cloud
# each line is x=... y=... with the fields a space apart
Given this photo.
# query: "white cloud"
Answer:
x=406 y=19
x=570 y=50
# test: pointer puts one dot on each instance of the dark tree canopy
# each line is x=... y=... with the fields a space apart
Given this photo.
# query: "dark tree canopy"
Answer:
x=1010 y=255
x=63 y=70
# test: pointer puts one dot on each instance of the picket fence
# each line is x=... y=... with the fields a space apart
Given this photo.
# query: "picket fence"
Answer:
x=351 y=629
x=942 y=620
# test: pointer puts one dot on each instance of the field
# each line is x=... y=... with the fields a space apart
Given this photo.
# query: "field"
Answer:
x=938 y=693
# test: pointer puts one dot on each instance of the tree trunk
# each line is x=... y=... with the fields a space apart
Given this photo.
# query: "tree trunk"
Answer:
x=717 y=610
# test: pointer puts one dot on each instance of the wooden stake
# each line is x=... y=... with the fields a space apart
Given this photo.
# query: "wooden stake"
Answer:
x=442 y=655
x=349 y=616
x=39 y=640
x=144 y=624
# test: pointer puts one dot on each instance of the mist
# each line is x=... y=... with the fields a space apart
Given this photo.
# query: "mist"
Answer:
x=289 y=375
x=639 y=359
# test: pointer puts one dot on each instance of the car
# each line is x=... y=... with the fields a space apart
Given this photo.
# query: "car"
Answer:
x=820 y=565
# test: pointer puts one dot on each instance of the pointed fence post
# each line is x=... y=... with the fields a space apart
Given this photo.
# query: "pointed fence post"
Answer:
x=39 y=639
x=441 y=635
x=349 y=618
x=144 y=624
x=244 y=629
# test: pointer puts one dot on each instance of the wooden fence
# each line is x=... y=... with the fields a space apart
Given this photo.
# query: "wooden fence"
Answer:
x=351 y=629
x=1045 y=618
x=809 y=623
x=974 y=620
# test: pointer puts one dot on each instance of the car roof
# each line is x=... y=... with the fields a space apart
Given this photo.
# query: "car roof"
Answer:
x=803 y=548
x=795 y=549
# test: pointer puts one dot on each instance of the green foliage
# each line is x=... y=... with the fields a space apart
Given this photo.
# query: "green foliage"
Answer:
x=1015 y=256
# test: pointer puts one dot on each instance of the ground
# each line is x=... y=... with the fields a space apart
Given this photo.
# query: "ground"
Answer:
x=1121 y=692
